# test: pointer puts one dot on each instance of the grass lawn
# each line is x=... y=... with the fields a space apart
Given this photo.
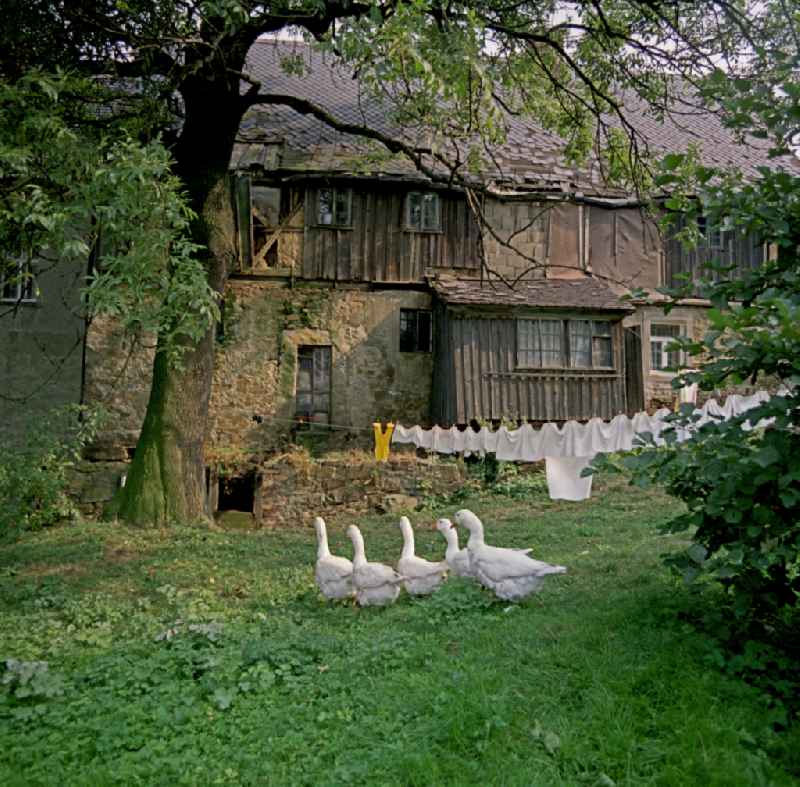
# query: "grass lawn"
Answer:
x=198 y=656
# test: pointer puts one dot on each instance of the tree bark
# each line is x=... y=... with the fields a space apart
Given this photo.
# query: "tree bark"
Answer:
x=166 y=480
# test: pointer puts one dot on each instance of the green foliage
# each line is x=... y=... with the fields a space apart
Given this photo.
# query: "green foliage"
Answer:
x=33 y=470
x=742 y=488
x=192 y=655
x=742 y=493
x=72 y=197
x=513 y=482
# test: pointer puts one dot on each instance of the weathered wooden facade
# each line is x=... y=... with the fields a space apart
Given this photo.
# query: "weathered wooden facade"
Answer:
x=372 y=242
x=486 y=367
x=717 y=252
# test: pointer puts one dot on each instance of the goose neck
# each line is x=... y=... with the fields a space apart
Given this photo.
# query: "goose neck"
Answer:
x=452 y=543
x=322 y=541
x=408 y=539
x=475 y=538
x=359 y=555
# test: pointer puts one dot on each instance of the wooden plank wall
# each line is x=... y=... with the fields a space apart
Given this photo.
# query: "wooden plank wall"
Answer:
x=484 y=383
x=377 y=248
x=744 y=252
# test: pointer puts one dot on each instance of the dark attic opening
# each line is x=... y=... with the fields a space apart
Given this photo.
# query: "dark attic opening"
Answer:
x=237 y=493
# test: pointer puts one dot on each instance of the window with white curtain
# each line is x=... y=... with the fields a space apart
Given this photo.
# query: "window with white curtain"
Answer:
x=564 y=344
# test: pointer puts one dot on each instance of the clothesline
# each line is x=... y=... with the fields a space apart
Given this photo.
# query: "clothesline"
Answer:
x=573 y=439
x=569 y=449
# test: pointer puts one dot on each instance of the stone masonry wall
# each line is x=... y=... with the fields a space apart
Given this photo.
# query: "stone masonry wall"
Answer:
x=255 y=368
x=292 y=488
x=256 y=365
x=692 y=322
x=118 y=374
x=293 y=493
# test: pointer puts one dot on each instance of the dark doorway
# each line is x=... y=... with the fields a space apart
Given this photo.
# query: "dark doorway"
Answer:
x=237 y=493
x=634 y=373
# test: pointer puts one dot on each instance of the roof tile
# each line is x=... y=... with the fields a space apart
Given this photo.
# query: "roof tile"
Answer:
x=574 y=294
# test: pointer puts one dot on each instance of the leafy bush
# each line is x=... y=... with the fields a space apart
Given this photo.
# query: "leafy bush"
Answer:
x=512 y=482
x=742 y=488
x=742 y=493
x=33 y=473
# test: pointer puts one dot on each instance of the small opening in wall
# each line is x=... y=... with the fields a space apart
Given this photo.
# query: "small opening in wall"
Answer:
x=131 y=451
x=237 y=493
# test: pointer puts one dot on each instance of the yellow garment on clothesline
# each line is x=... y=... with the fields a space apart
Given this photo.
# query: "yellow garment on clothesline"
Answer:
x=382 y=440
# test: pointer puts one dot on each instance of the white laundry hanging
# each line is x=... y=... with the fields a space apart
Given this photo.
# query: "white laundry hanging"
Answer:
x=572 y=441
x=564 y=480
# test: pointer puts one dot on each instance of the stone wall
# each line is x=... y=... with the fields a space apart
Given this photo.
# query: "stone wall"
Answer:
x=293 y=493
x=118 y=374
x=691 y=320
x=293 y=488
x=256 y=363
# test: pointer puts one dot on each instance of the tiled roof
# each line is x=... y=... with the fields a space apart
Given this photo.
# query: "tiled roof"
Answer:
x=276 y=137
x=574 y=294
x=530 y=156
x=687 y=124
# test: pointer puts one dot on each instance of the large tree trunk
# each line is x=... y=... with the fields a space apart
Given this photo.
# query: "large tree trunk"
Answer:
x=166 y=481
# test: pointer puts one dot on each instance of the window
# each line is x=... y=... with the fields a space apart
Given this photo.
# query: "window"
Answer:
x=415 y=331
x=265 y=214
x=540 y=343
x=564 y=344
x=16 y=283
x=713 y=234
x=313 y=386
x=662 y=359
x=334 y=207
x=423 y=213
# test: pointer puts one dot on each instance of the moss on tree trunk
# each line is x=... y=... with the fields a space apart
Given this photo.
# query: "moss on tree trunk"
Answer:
x=166 y=481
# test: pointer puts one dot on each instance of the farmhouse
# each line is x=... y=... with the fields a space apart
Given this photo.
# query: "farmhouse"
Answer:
x=364 y=290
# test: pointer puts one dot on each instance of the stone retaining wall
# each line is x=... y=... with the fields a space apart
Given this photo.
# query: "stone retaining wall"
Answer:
x=292 y=489
x=294 y=494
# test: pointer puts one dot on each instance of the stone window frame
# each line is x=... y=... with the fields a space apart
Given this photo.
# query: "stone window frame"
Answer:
x=664 y=340
x=313 y=392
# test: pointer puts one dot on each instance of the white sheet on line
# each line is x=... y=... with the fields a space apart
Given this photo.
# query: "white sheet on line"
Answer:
x=572 y=441
x=564 y=480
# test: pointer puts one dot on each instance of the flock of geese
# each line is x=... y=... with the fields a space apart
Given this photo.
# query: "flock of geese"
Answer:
x=510 y=573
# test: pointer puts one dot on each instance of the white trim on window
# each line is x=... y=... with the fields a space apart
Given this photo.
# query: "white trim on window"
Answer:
x=21 y=288
x=661 y=336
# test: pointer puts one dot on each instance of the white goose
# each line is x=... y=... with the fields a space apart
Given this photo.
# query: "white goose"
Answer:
x=374 y=583
x=510 y=573
x=421 y=576
x=334 y=574
x=457 y=559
